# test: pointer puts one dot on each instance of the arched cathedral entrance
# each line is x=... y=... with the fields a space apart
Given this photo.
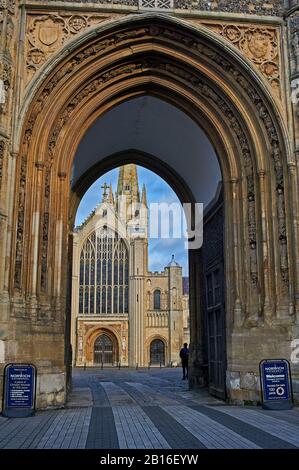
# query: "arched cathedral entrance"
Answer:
x=104 y=350
x=157 y=352
x=195 y=71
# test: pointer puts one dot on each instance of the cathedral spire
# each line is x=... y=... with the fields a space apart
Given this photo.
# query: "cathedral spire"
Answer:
x=128 y=188
x=128 y=182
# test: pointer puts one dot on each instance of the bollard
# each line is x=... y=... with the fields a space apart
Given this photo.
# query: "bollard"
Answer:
x=102 y=366
x=149 y=366
x=84 y=365
x=119 y=366
x=160 y=364
x=137 y=366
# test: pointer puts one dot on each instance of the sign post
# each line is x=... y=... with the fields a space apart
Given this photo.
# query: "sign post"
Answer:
x=19 y=390
x=276 y=384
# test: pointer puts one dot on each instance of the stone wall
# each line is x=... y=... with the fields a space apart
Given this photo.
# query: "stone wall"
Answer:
x=258 y=149
x=258 y=7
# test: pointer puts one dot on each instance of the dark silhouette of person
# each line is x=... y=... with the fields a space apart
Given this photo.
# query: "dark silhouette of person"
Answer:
x=184 y=355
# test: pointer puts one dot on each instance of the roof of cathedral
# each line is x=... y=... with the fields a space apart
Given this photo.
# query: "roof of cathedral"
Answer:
x=86 y=220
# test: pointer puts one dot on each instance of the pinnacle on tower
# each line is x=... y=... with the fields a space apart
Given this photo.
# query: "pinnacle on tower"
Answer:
x=128 y=182
x=173 y=263
x=111 y=197
x=105 y=195
x=143 y=197
x=127 y=188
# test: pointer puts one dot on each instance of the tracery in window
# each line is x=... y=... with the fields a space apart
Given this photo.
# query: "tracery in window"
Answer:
x=104 y=274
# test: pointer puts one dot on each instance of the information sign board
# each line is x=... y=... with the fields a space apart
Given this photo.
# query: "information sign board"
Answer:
x=19 y=390
x=276 y=384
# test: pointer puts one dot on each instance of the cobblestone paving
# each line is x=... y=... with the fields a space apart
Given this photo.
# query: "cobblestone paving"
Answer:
x=148 y=409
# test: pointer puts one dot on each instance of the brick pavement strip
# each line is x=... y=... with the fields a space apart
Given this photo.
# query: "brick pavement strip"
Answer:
x=25 y=433
x=254 y=434
x=67 y=427
x=212 y=434
x=153 y=396
x=2 y=420
x=176 y=435
x=140 y=410
x=13 y=432
x=277 y=427
x=139 y=397
x=36 y=434
x=116 y=395
x=289 y=416
x=102 y=430
x=135 y=430
x=98 y=393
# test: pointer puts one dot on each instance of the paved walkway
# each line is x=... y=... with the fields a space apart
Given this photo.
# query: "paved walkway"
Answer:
x=143 y=409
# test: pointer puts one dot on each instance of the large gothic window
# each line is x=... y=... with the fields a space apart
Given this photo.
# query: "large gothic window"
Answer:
x=104 y=274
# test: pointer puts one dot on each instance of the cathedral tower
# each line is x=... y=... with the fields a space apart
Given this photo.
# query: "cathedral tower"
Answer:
x=127 y=196
x=176 y=327
x=134 y=212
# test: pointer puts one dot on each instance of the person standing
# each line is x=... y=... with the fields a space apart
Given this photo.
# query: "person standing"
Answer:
x=184 y=355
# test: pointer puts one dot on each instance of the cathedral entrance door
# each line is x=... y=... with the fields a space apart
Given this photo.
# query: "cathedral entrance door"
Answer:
x=216 y=330
x=103 y=350
x=157 y=352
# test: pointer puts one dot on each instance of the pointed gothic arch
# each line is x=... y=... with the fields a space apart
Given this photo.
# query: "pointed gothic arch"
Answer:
x=103 y=274
x=209 y=80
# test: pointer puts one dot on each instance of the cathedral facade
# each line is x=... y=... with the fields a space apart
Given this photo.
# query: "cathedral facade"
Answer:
x=123 y=314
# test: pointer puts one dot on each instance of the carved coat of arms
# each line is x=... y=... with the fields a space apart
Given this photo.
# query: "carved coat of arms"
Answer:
x=259 y=45
x=48 y=34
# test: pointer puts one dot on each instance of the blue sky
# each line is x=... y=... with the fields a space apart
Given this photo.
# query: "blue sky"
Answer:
x=160 y=249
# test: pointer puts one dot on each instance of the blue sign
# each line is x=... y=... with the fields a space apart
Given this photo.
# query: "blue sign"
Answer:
x=276 y=385
x=19 y=389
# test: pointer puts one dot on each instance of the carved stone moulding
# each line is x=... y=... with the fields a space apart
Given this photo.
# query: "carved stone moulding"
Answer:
x=47 y=33
x=6 y=77
x=190 y=42
x=20 y=223
x=8 y=5
x=259 y=44
x=2 y=154
x=152 y=66
x=45 y=230
x=6 y=74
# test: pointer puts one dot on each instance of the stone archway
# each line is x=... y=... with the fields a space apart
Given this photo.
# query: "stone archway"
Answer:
x=157 y=352
x=102 y=347
x=207 y=79
x=152 y=339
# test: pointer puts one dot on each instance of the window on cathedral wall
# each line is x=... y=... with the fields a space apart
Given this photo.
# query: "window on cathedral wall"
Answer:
x=157 y=300
x=104 y=274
